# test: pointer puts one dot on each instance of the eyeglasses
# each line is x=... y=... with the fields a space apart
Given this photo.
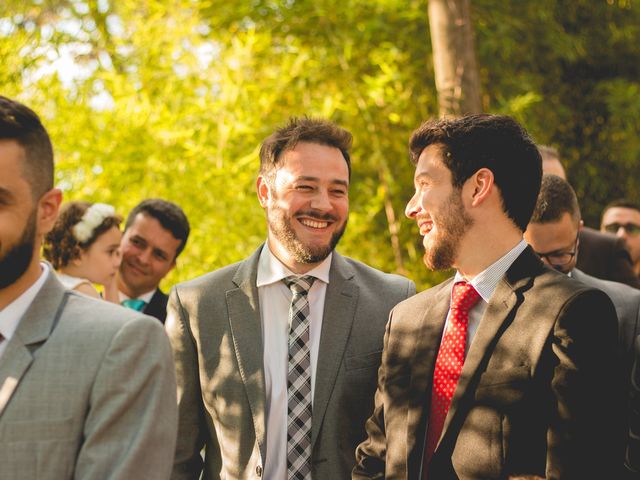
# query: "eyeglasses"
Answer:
x=630 y=228
x=560 y=258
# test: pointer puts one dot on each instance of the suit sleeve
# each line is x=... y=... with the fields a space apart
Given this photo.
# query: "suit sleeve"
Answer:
x=130 y=428
x=188 y=462
x=632 y=457
x=585 y=421
x=370 y=454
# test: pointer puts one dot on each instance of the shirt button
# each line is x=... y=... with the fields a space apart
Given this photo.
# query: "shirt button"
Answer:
x=259 y=470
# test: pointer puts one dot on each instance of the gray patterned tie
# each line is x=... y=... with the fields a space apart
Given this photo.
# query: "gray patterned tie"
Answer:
x=299 y=381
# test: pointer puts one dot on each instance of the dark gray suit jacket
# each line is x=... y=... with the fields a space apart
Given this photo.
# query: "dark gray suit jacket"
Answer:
x=534 y=396
x=215 y=330
x=87 y=391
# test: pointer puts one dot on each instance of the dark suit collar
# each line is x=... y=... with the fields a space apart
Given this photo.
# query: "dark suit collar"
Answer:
x=35 y=327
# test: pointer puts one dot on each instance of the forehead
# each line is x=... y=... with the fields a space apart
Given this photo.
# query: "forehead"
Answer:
x=12 y=163
x=152 y=231
x=431 y=166
x=621 y=214
x=546 y=237
x=314 y=160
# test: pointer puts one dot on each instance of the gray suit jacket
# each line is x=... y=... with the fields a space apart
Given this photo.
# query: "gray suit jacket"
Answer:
x=86 y=392
x=215 y=330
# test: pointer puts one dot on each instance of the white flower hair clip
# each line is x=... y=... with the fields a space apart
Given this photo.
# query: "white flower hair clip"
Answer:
x=92 y=218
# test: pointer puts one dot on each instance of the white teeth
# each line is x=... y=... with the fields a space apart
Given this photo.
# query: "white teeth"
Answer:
x=314 y=224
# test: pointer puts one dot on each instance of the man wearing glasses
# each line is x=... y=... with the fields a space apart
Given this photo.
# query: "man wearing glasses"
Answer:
x=622 y=218
x=553 y=234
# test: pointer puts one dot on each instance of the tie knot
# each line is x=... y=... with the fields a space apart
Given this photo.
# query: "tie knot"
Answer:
x=464 y=296
x=134 y=304
x=299 y=285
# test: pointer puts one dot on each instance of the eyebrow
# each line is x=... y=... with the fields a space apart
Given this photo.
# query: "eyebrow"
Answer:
x=316 y=179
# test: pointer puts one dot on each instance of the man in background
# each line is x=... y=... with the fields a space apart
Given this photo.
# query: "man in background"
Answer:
x=622 y=218
x=86 y=386
x=155 y=234
x=602 y=255
x=277 y=355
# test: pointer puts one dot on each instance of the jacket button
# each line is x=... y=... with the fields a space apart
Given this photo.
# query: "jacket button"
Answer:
x=259 y=470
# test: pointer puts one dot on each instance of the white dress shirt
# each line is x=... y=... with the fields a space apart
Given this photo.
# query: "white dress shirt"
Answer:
x=275 y=299
x=485 y=283
x=11 y=315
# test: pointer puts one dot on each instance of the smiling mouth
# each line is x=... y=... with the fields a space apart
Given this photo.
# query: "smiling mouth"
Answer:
x=425 y=227
x=313 y=223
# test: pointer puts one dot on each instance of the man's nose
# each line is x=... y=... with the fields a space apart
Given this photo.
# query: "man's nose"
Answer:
x=321 y=201
x=413 y=207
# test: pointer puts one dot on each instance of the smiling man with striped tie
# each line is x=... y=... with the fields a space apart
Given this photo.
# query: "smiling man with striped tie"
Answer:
x=504 y=370
x=277 y=355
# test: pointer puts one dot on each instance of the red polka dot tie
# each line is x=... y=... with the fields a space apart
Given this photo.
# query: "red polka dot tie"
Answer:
x=448 y=364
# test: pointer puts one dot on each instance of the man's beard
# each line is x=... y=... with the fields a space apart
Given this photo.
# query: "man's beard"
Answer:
x=280 y=226
x=454 y=223
x=17 y=260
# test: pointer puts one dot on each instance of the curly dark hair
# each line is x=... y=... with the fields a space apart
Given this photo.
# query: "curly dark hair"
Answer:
x=60 y=246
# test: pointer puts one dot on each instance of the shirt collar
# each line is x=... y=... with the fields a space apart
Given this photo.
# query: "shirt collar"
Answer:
x=11 y=315
x=487 y=280
x=146 y=297
x=271 y=270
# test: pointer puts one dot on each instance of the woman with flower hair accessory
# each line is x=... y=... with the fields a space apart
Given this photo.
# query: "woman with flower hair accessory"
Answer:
x=84 y=248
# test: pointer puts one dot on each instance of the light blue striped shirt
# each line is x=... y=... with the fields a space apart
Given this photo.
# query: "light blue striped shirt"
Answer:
x=485 y=283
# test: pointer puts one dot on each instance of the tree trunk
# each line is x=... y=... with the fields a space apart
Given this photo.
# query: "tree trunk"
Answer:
x=454 y=59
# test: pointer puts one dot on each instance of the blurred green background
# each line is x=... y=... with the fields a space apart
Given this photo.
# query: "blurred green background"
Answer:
x=172 y=99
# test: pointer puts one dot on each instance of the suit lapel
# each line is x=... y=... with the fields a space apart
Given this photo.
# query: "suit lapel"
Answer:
x=34 y=329
x=496 y=318
x=338 y=317
x=246 y=330
x=429 y=333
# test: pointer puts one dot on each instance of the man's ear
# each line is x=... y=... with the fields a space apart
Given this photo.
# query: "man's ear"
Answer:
x=48 y=207
x=481 y=186
x=581 y=225
x=264 y=190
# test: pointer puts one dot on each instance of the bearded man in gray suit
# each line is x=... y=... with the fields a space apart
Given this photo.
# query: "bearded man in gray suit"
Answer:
x=234 y=330
x=87 y=388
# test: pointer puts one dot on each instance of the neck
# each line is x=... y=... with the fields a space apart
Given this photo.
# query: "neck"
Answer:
x=484 y=245
x=288 y=261
x=17 y=288
x=124 y=288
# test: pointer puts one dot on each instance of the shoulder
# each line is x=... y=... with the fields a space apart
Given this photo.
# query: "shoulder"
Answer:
x=619 y=293
x=364 y=273
x=96 y=325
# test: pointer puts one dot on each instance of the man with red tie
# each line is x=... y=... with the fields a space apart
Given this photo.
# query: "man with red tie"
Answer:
x=503 y=371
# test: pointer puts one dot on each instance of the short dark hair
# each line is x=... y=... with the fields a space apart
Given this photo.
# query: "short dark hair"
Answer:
x=61 y=245
x=170 y=216
x=304 y=129
x=621 y=203
x=21 y=124
x=555 y=199
x=496 y=142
